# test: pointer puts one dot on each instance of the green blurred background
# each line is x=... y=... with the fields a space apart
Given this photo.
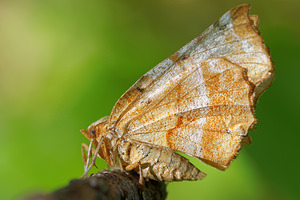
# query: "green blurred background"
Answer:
x=63 y=65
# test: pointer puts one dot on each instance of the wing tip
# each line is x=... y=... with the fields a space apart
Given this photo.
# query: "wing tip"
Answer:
x=240 y=15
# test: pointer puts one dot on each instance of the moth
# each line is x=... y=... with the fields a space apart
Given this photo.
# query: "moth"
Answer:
x=199 y=101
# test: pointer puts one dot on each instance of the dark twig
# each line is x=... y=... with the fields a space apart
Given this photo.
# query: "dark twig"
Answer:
x=108 y=184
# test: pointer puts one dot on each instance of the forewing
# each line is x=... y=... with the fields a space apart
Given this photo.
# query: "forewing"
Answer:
x=234 y=37
x=230 y=47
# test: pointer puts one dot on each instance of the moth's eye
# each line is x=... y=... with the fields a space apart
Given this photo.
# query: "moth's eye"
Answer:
x=92 y=132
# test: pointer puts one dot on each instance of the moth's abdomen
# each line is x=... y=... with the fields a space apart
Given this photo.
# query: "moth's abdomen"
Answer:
x=157 y=163
x=172 y=167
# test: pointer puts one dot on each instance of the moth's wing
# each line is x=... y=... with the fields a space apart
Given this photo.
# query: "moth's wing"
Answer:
x=232 y=43
x=206 y=115
x=235 y=37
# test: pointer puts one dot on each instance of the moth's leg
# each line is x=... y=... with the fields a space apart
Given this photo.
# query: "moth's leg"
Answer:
x=120 y=163
x=132 y=166
x=89 y=150
x=84 y=148
x=135 y=165
x=141 y=179
x=93 y=159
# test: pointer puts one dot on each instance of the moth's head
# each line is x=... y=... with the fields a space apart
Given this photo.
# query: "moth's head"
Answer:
x=96 y=130
x=97 y=133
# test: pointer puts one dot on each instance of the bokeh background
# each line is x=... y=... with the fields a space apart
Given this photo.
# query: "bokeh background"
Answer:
x=64 y=63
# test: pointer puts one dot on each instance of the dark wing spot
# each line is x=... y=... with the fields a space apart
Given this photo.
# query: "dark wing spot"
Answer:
x=140 y=89
x=183 y=58
x=147 y=102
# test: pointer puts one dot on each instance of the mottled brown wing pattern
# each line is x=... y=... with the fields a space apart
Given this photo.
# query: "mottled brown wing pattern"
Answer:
x=205 y=116
x=200 y=100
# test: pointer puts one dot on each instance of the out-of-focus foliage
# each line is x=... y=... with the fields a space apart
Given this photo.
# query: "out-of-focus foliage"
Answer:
x=63 y=65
